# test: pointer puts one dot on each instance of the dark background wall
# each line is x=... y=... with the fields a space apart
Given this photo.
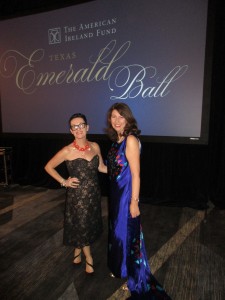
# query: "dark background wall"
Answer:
x=172 y=174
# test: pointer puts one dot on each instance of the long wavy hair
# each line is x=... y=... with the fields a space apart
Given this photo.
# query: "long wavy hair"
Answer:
x=131 y=126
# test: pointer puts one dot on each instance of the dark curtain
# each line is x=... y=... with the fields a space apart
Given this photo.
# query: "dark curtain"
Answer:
x=217 y=116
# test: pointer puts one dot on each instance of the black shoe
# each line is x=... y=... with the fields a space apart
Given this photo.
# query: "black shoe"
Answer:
x=90 y=273
x=76 y=263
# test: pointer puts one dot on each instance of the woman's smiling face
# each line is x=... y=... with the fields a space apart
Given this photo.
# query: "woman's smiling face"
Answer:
x=78 y=127
x=118 y=122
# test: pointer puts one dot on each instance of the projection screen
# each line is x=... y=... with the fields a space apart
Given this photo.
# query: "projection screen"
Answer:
x=83 y=58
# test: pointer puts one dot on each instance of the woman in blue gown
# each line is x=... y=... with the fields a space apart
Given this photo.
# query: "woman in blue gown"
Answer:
x=126 y=250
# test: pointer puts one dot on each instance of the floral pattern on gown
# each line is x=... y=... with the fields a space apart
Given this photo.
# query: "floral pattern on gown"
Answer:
x=126 y=250
x=83 y=218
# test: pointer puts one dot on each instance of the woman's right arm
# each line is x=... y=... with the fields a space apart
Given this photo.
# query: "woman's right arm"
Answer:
x=55 y=161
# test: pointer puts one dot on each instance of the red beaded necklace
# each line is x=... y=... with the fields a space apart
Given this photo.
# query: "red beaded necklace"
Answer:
x=86 y=147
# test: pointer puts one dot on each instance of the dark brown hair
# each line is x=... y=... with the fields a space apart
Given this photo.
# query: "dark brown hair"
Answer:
x=131 y=126
x=77 y=115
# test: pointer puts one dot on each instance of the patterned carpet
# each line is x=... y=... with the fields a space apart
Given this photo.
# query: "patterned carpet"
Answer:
x=185 y=246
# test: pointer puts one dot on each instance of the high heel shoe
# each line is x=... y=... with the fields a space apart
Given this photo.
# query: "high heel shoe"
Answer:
x=125 y=287
x=90 y=265
x=76 y=256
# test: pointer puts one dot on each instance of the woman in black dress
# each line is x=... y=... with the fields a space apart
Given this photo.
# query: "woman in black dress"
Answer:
x=83 y=220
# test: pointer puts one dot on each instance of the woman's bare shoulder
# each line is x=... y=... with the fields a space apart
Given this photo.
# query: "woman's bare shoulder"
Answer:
x=132 y=139
x=67 y=149
x=94 y=145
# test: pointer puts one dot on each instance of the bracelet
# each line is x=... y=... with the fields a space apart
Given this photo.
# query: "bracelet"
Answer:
x=135 y=199
x=63 y=183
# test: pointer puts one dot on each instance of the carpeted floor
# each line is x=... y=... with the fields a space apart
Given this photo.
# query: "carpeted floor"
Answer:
x=185 y=246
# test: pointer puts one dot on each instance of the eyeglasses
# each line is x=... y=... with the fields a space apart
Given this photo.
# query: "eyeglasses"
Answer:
x=79 y=126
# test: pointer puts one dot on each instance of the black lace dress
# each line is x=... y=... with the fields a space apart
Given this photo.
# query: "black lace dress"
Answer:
x=83 y=220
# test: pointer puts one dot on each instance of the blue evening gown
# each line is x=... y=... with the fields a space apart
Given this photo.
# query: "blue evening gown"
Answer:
x=126 y=250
